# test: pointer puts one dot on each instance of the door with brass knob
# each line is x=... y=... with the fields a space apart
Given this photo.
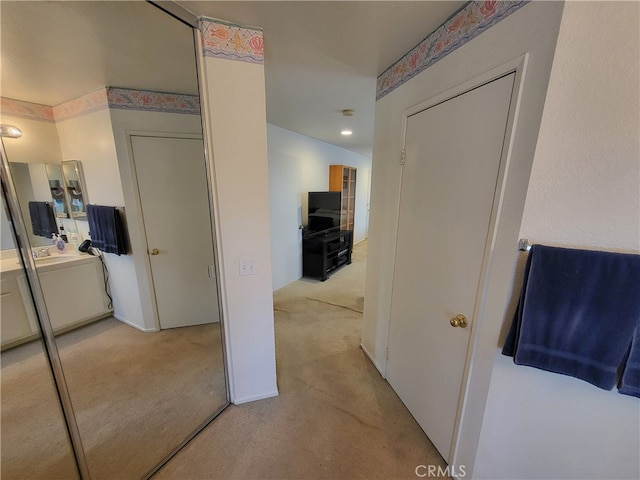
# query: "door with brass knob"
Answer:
x=449 y=179
x=459 y=321
x=168 y=189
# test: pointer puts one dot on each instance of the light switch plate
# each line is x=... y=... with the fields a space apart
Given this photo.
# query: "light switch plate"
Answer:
x=247 y=267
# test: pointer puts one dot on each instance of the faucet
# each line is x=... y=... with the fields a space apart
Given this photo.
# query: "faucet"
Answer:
x=43 y=252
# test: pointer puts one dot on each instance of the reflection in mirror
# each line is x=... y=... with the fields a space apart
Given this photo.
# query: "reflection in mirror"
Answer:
x=34 y=441
x=75 y=189
x=32 y=186
x=142 y=375
x=57 y=188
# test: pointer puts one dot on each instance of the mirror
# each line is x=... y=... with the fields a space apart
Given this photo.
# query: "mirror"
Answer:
x=32 y=423
x=57 y=188
x=75 y=189
x=32 y=184
x=139 y=389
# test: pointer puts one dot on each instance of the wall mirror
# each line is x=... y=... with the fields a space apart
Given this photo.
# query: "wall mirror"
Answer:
x=57 y=187
x=139 y=389
x=74 y=188
x=32 y=184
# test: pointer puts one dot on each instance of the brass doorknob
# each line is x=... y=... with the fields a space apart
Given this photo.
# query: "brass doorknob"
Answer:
x=155 y=251
x=458 y=321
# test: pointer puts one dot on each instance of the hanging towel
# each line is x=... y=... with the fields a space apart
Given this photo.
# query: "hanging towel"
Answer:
x=106 y=229
x=630 y=383
x=578 y=313
x=43 y=220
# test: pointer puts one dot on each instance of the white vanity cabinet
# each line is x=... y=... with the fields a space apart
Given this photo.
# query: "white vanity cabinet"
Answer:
x=16 y=324
x=74 y=291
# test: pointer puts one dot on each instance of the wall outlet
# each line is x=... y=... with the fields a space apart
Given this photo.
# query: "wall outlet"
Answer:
x=247 y=267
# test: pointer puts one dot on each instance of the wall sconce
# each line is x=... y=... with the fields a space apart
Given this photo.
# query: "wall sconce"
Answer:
x=10 y=131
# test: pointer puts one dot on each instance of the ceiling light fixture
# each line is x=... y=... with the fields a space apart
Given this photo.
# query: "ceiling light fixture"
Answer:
x=9 y=131
x=348 y=112
x=346 y=133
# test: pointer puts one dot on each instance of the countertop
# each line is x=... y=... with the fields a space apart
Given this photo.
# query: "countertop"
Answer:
x=52 y=262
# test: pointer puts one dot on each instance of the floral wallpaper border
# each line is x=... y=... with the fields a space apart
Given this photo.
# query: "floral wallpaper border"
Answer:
x=91 y=102
x=110 y=97
x=148 y=100
x=467 y=23
x=27 y=110
x=230 y=41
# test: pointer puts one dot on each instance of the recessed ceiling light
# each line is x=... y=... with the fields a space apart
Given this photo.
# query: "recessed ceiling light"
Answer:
x=348 y=112
x=346 y=133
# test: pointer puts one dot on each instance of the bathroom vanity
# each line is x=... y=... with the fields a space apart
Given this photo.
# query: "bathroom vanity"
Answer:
x=73 y=288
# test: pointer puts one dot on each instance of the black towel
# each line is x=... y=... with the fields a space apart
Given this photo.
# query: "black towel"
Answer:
x=106 y=229
x=43 y=220
x=578 y=314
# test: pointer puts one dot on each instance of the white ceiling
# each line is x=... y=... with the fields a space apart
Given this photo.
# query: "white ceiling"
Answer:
x=320 y=57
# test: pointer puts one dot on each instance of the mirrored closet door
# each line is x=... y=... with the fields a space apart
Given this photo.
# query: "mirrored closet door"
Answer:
x=140 y=384
x=32 y=422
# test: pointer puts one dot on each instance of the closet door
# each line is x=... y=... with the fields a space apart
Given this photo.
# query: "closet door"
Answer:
x=172 y=183
x=34 y=442
x=453 y=153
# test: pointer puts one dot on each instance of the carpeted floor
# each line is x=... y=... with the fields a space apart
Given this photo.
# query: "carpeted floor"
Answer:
x=136 y=397
x=335 y=417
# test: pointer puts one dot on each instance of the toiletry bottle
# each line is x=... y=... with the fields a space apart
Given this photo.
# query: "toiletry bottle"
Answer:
x=60 y=244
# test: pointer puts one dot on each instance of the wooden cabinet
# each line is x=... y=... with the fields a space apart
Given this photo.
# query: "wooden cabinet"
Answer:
x=343 y=179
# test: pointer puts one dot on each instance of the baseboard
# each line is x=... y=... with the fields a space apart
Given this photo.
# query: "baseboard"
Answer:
x=239 y=401
x=373 y=360
x=137 y=327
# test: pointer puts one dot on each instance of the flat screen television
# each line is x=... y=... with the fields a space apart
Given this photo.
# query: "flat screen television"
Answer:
x=324 y=212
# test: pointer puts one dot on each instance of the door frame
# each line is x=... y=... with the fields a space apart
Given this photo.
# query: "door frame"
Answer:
x=492 y=296
x=141 y=230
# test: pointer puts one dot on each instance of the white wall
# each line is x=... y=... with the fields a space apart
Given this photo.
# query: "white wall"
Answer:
x=89 y=139
x=235 y=109
x=39 y=142
x=6 y=235
x=297 y=165
x=532 y=30
x=584 y=191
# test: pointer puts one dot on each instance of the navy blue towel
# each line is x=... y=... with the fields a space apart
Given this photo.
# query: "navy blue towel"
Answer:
x=630 y=383
x=43 y=220
x=578 y=314
x=106 y=229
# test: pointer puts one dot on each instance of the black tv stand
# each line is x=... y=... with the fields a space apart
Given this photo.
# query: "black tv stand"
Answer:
x=324 y=253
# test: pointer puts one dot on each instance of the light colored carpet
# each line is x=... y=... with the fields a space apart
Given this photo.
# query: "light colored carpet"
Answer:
x=335 y=417
x=136 y=396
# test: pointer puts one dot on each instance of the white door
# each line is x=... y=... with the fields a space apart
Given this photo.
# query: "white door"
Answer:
x=285 y=207
x=453 y=152
x=172 y=184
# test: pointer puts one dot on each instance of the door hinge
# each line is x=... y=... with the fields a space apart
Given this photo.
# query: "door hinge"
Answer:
x=386 y=353
x=403 y=156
